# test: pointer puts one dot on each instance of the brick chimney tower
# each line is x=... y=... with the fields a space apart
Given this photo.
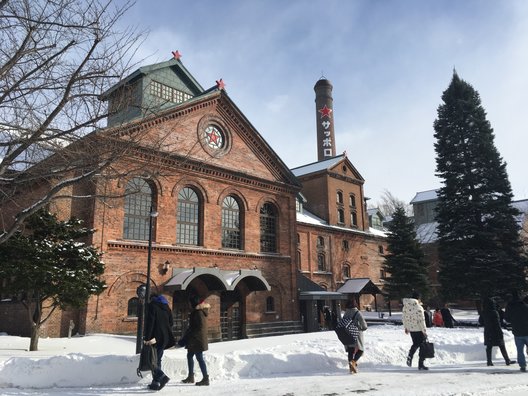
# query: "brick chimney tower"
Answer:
x=325 y=119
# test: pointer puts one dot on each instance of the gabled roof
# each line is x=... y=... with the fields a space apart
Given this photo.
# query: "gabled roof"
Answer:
x=359 y=286
x=194 y=86
x=325 y=165
x=424 y=196
x=375 y=211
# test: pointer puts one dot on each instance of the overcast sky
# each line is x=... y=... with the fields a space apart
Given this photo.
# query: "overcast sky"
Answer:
x=389 y=62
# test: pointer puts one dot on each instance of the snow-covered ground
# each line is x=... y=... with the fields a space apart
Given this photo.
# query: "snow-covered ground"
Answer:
x=302 y=364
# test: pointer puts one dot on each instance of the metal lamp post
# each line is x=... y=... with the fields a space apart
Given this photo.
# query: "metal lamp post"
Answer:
x=143 y=291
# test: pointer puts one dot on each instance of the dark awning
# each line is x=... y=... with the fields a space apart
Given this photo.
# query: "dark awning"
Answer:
x=359 y=286
x=309 y=290
x=216 y=279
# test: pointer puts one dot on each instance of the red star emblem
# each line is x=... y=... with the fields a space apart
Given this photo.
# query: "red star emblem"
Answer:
x=325 y=112
x=220 y=84
x=213 y=137
x=176 y=54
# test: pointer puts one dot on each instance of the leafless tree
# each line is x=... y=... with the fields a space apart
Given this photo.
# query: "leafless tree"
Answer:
x=388 y=204
x=56 y=58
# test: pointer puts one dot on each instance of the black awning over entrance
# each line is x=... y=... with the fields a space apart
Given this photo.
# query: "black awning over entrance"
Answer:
x=216 y=279
x=358 y=286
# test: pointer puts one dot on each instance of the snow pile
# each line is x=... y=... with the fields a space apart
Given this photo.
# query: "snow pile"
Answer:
x=105 y=360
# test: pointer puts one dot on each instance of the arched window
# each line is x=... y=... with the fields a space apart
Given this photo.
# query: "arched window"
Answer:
x=321 y=262
x=132 y=310
x=270 y=304
x=188 y=217
x=139 y=198
x=352 y=200
x=298 y=258
x=341 y=216
x=231 y=224
x=320 y=242
x=346 y=271
x=339 y=197
x=268 y=228
x=353 y=218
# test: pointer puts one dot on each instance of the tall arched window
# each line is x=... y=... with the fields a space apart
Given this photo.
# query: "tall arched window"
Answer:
x=340 y=216
x=321 y=262
x=353 y=218
x=352 y=200
x=339 y=197
x=320 y=242
x=268 y=228
x=188 y=217
x=139 y=196
x=299 y=258
x=231 y=224
x=346 y=271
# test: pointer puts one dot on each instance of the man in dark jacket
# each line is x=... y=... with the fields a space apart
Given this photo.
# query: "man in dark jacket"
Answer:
x=195 y=339
x=158 y=332
x=517 y=314
x=448 y=319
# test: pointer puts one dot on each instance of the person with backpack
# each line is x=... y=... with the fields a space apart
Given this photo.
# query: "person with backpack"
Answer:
x=414 y=323
x=158 y=332
x=355 y=349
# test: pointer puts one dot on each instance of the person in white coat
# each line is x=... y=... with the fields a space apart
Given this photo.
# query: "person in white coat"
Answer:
x=414 y=323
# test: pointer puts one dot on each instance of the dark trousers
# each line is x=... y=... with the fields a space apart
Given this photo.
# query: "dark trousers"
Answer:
x=503 y=352
x=353 y=355
x=201 y=362
x=417 y=338
x=158 y=373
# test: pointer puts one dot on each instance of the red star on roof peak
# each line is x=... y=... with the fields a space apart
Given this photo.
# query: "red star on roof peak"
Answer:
x=220 y=84
x=176 y=54
x=325 y=112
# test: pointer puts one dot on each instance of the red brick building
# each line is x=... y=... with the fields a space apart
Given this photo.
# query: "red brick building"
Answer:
x=222 y=213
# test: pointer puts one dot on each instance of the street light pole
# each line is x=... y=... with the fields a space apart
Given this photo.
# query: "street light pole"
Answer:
x=143 y=291
x=152 y=215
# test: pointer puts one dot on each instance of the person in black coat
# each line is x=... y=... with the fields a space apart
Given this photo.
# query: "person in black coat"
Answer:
x=493 y=336
x=158 y=332
x=517 y=314
x=448 y=319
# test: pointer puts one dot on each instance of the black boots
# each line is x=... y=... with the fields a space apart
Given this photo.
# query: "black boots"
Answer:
x=409 y=360
x=158 y=385
x=204 y=381
x=189 y=379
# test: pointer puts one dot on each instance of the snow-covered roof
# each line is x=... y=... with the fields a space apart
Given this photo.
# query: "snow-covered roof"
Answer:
x=307 y=217
x=426 y=233
x=317 y=166
x=424 y=196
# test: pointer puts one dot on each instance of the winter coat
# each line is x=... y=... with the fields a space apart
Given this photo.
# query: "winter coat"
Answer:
x=359 y=321
x=195 y=338
x=490 y=319
x=437 y=319
x=413 y=315
x=448 y=319
x=517 y=314
x=428 y=318
x=158 y=323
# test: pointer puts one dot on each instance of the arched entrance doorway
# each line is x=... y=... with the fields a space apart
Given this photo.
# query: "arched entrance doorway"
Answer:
x=231 y=315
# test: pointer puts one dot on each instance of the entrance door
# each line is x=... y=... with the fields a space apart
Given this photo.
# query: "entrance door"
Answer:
x=180 y=312
x=230 y=316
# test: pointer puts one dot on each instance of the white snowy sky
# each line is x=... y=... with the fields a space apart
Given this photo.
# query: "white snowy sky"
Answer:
x=388 y=60
x=294 y=365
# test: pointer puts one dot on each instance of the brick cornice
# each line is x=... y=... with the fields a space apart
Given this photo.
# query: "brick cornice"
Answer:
x=128 y=245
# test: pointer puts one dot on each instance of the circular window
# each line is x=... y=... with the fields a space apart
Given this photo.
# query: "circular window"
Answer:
x=214 y=136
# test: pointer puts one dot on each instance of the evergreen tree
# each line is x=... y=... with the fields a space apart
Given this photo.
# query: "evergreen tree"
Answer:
x=46 y=267
x=479 y=243
x=405 y=260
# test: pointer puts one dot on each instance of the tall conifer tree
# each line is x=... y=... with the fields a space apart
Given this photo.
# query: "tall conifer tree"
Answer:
x=479 y=243
x=405 y=260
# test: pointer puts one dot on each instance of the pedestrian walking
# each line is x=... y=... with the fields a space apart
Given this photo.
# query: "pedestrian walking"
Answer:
x=448 y=319
x=517 y=314
x=354 y=351
x=493 y=335
x=195 y=340
x=158 y=332
x=437 y=318
x=414 y=323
